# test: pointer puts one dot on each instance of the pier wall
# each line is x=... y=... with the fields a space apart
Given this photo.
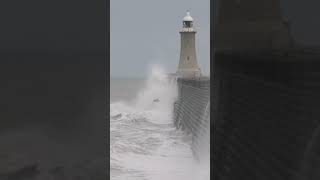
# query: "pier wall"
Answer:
x=192 y=112
x=265 y=116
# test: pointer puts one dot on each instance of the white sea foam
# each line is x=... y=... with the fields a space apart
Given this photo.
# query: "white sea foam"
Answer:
x=144 y=144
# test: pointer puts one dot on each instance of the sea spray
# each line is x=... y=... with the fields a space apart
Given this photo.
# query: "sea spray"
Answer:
x=201 y=143
x=158 y=87
x=144 y=144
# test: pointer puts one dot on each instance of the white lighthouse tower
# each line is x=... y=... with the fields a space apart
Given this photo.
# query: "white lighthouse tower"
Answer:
x=188 y=65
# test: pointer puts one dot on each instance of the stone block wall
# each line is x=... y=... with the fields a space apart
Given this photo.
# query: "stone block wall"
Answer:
x=266 y=112
x=192 y=112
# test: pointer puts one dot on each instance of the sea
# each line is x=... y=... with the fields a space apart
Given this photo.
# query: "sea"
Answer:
x=144 y=143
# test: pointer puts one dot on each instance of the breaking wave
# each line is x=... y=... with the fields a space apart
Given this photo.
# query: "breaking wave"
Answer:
x=144 y=144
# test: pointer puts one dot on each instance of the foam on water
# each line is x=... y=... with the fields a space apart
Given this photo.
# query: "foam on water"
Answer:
x=144 y=144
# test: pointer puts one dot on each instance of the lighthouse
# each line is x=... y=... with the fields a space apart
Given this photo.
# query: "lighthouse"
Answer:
x=188 y=65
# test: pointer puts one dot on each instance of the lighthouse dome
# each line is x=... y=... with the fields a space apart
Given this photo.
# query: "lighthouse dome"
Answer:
x=188 y=17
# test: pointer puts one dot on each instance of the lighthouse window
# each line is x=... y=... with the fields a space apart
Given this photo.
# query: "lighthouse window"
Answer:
x=187 y=24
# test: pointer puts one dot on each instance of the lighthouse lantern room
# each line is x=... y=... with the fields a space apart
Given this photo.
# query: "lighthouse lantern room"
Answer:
x=188 y=65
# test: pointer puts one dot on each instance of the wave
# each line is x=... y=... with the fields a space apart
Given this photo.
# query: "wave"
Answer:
x=144 y=144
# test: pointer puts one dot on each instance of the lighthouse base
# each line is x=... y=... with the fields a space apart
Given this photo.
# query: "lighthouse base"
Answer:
x=188 y=73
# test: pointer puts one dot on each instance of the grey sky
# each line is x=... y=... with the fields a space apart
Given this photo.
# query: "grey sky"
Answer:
x=304 y=20
x=145 y=32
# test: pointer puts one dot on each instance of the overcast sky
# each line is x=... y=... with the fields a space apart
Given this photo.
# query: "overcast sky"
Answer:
x=304 y=20
x=144 y=32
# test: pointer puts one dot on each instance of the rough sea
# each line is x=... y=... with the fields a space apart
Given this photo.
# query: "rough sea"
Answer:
x=144 y=144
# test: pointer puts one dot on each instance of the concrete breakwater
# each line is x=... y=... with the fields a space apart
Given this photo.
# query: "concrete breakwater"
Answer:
x=266 y=116
x=192 y=113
